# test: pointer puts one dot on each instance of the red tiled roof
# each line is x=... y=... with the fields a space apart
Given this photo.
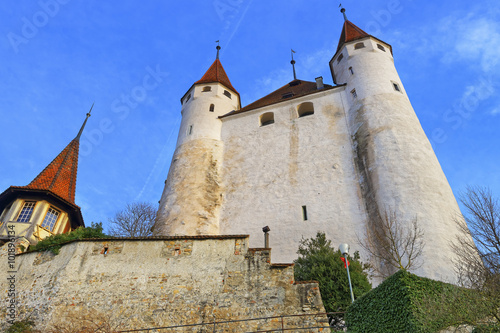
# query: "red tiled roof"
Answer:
x=59 y=177
x=294 y=89
x=216 y=73
x=349 y=33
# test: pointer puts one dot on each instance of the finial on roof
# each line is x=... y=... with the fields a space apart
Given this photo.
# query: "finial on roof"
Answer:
x=83 y=126
x=342 y=10
x=218 y=48
x=293 y=65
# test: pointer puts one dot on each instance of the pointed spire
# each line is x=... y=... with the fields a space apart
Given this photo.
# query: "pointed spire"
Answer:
x=59 y=177
x=218 y=49
x=84 y=123
x=293 y=65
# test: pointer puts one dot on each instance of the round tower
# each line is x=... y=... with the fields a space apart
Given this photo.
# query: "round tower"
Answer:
x=399 y=172
x=192 y=195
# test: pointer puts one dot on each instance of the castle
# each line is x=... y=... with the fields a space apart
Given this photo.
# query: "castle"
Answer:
x=309 y=157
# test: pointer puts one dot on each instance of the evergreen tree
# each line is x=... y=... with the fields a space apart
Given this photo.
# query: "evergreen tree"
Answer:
x=319 y=261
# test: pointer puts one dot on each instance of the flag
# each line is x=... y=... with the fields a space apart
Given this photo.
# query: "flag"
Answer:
x=344 y=260
x=293 y=51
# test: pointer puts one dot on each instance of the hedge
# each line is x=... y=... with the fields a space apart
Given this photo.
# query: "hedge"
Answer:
x=409 y=303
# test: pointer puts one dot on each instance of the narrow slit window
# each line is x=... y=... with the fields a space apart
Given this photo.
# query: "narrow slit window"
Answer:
x=339 y=59
x=396 y=86
x=212 y=108
x=351 y=71
x=304 y=213
x=105 y=251
x=190 y=131
x=354 y=94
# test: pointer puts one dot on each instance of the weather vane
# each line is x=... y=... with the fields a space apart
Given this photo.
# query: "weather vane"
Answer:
x=293 y=65
x=342 y=10
x=218 y=48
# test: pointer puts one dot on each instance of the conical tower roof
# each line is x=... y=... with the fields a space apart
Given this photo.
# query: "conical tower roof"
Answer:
x=59 y=177
x=216 y=73
x=349 y=33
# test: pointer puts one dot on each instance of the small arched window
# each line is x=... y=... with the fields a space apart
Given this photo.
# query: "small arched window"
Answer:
x=381 y=47
x=212 y=108
x=227 y=93
x=305 y=109
x=267 y=119
x=207 y=88
x=359 y=46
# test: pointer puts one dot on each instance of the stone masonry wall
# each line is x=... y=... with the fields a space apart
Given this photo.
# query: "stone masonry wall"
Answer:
x=157 y=282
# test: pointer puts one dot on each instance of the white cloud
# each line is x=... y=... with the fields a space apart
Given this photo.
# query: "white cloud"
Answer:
x=495 y=111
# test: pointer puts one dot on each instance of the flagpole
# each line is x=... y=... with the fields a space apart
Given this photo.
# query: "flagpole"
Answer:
x=344 y=248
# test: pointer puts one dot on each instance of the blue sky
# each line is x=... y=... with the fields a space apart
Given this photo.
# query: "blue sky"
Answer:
x=135 y=60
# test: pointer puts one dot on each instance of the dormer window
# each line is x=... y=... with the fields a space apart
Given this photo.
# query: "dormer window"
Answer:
x=287 y=95
x=207 y=88
x=50 y=219
x=26 y=212
x=227 y=93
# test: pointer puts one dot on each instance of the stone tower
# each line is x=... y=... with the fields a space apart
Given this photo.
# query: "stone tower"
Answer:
x=46 y=206
x=310 y=157
x=399 y=170
x=192 y=196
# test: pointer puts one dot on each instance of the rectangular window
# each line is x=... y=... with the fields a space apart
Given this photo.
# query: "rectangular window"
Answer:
x=50 y=219
x=25 y=214
x=304 y=213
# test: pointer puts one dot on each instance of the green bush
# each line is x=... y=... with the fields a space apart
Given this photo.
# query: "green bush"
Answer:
x=54 y=243
x=319 y=261
x=409 y=303
x=24 y=326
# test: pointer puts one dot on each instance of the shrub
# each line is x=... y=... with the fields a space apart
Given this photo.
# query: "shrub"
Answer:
x=319 y=261
x=409 y=303
x=54 y=243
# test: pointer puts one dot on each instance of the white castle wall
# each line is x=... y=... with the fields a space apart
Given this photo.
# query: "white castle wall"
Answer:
x=270 y=172
x=358 y=157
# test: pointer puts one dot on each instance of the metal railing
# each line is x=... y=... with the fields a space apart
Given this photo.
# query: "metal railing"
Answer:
x=321 y=322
